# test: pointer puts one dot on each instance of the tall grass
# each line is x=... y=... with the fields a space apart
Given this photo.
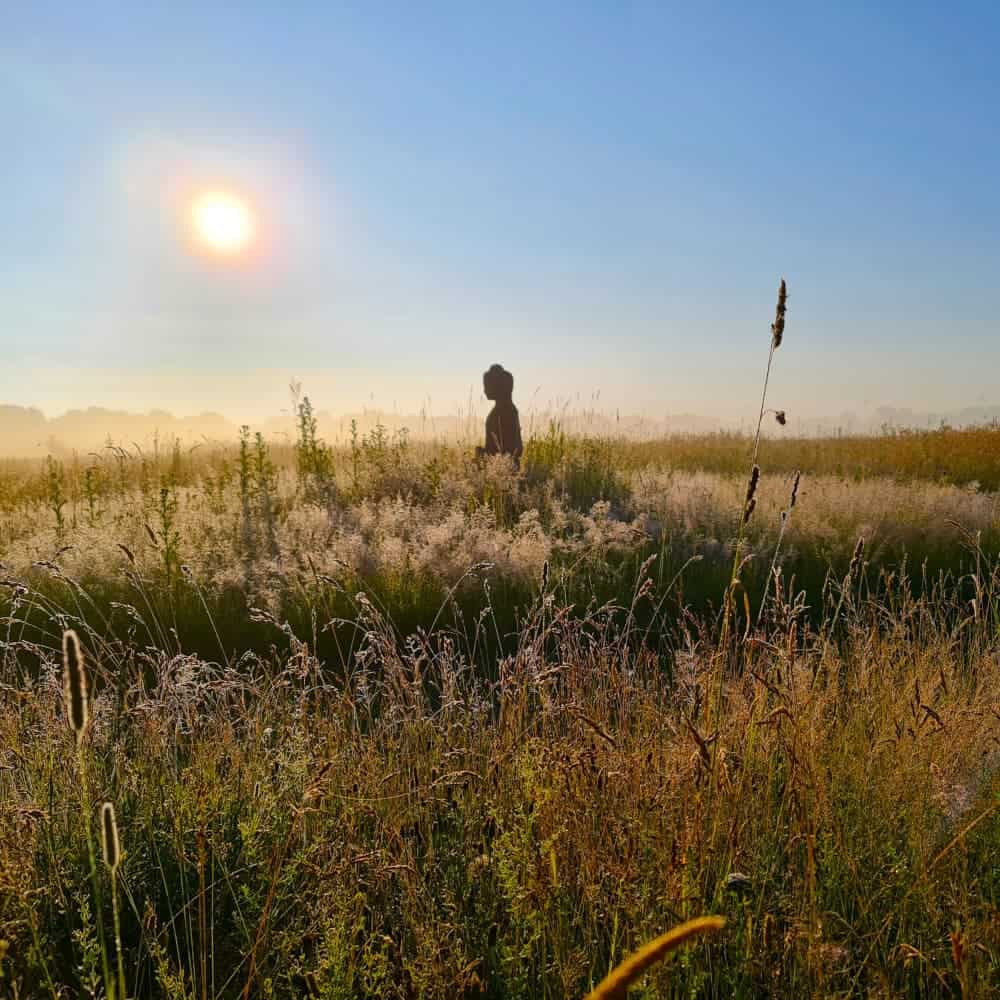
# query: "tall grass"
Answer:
x=417 y=827
x=384 y=722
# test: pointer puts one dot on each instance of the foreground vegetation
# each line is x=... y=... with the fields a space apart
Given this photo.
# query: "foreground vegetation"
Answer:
x=382 y=721
x=521 y=783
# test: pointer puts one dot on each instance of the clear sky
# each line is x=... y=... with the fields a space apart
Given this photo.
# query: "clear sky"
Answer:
x=600 y=196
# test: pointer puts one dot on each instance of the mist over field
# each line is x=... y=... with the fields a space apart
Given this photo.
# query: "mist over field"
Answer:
x=27 y=432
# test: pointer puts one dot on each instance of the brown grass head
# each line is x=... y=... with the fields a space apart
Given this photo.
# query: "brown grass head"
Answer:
x=958 y=948
x=752 y=485
x=778 y=326
x=795 y=489
x=751 y=498
x=856 y=558
x=110 y=844
x=75 y=683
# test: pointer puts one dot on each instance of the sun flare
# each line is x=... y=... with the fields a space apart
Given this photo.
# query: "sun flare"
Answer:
x=223 y=222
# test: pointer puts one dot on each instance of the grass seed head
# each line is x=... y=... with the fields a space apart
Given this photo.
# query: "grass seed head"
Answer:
x=958 y=949
x=795 y=490
x=752 y=485
x=781 y=417
x=751 y=500
x=75 y=683
x=778 y=326
x=110 y=845
x=856 y=558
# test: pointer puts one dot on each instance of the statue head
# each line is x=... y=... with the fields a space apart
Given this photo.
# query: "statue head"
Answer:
x=498 y=383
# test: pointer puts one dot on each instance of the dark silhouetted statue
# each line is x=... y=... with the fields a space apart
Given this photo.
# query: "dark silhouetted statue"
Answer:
x=503 y=425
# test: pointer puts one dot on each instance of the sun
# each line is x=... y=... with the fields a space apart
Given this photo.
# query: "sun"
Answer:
x=223 y=222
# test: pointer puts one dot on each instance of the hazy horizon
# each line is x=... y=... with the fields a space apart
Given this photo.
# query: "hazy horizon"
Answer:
x=602 y=200
x=29 y=432
x=254 y=410
x=255 y=396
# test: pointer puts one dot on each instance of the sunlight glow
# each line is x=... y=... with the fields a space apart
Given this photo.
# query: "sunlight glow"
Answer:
x=223 y=223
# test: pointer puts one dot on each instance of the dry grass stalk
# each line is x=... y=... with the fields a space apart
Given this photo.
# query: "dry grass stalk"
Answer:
x=112 y=852
x=859 y=550
x=615 y=986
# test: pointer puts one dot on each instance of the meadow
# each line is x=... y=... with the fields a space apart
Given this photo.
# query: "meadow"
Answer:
x=378 y=720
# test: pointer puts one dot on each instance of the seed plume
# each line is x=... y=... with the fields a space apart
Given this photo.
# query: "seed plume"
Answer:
x=75 y=683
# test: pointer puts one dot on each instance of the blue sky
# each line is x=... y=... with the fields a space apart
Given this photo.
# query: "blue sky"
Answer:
x=600 y=196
